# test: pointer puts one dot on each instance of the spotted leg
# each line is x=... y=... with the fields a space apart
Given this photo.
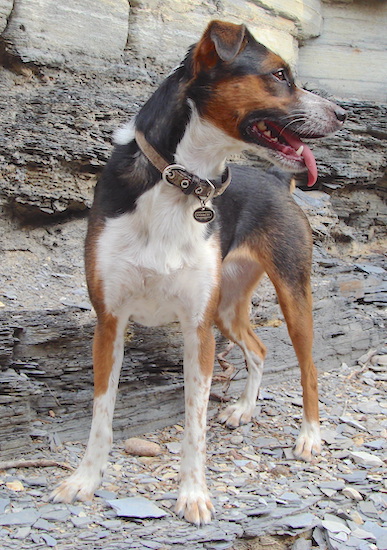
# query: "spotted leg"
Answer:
x=107 y=360
x=194 y=502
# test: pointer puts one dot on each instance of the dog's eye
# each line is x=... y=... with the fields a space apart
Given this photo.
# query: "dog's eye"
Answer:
x=281 y=75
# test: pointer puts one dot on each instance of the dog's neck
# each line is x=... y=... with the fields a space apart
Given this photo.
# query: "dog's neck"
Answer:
x=204 y=148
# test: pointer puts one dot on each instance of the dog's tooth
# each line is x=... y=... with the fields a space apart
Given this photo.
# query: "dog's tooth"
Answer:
x=300 y=150
x=275 y=139
x=267 y=133
x=262 y=126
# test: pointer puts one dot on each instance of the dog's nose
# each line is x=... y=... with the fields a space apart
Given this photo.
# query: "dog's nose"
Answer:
x=341 y=115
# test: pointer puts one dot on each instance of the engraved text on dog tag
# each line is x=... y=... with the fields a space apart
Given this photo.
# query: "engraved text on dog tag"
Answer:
x=204 y=215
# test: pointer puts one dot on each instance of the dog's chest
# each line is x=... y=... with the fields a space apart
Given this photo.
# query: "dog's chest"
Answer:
x=156 y=261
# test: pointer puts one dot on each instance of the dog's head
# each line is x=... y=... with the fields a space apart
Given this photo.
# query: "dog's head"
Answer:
x=249 y=92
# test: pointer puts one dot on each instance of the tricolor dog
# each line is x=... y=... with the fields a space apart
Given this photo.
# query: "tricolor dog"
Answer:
x=169 y=239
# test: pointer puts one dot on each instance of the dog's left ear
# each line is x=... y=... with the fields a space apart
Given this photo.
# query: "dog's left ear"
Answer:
x=220 y=41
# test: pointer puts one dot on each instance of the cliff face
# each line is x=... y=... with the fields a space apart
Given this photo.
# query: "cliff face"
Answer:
x=70 y=73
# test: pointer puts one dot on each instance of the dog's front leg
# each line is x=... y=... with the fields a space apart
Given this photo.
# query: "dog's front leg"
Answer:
x=194 y=502
x=108 y=350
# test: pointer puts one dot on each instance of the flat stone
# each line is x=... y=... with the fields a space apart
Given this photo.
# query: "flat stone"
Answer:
x=357 y=476
x=174 y=447
x=21 y=533
x=366 y=459
x=49 y=540
x=136 y=507
x=363 y=534
x=56 y=515
x=376 y=444
x=305 y=520
x=368 y=509
x=335 y=526
x=44 y=525
x=81 y=522
x=352 y=422
x=382 y=542
x=25 y=517
x=36 y=481
x=352 y=493
x=369 y=408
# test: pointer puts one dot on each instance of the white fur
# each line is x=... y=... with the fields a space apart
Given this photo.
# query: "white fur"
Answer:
x=308 y=441
x=193 y=500
x=204 y=147
x=154 y=262
x=124 y=134
x=86 y=479
x=242 y=411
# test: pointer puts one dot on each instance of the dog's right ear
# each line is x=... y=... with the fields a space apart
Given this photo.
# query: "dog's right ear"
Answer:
x=220 y=41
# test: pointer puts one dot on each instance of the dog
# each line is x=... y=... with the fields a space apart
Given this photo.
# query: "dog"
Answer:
x=153 y=256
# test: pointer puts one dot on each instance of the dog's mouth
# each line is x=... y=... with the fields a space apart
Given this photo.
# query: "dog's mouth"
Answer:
x=289 y=150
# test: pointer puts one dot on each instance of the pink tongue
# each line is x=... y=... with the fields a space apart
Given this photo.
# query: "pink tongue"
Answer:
x=306 y=154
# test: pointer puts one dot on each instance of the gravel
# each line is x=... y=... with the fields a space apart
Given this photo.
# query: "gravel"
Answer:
x=337 y=501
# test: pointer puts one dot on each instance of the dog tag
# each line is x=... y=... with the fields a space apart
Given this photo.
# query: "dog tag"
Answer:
x=204 y=215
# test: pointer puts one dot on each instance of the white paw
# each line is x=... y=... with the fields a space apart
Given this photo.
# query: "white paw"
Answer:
x=237 y=414
x=79 y=486
x=309 y=441
x=195 y=506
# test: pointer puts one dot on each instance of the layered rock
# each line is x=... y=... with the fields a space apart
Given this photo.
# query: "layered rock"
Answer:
x=70 y=73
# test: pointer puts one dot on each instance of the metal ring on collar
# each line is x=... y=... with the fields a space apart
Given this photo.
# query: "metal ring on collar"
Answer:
x=168 y=172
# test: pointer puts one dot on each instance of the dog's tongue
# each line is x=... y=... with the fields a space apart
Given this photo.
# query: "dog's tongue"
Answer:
x=306 y=154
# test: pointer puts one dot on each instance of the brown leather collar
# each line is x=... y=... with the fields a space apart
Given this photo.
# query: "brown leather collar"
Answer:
x=177 y=175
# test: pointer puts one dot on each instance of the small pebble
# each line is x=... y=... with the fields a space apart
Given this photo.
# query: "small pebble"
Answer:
x=141 y=447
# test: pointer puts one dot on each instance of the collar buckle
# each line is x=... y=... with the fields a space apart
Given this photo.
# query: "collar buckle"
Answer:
x=169 y=175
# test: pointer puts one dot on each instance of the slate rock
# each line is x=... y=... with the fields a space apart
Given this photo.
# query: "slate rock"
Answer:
x=136 y=507
x=3 y=504
x=49 y=540
x=352 y=493
x=366 y=459
x=21 y=533
x=335 y=526
x=302 y=544
x=44 y=525
x=363 y=534
x=25 y=517
x=381 y=542
x=368 y=509
x=300 y=521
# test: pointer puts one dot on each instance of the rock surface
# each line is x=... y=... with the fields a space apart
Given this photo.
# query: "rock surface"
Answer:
x=52 y=33
x=70 y=73
x=46 y=316
x=263 y=497
x=349 y=58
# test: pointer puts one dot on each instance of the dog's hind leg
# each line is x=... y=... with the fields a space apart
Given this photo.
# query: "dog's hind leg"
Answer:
x=108 y=349
x=240 y=275
x=289 y=268
x=287 y=258
x=296 y=304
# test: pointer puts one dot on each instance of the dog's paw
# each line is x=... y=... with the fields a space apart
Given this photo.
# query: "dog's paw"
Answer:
x=79 y=486
x=308 y=442
x=237 y=414
x=195 y=506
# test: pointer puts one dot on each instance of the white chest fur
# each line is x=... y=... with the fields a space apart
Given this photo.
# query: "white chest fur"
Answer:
x=155 y=262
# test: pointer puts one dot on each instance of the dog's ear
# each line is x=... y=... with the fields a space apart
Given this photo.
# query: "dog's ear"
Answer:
x=220 y=40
